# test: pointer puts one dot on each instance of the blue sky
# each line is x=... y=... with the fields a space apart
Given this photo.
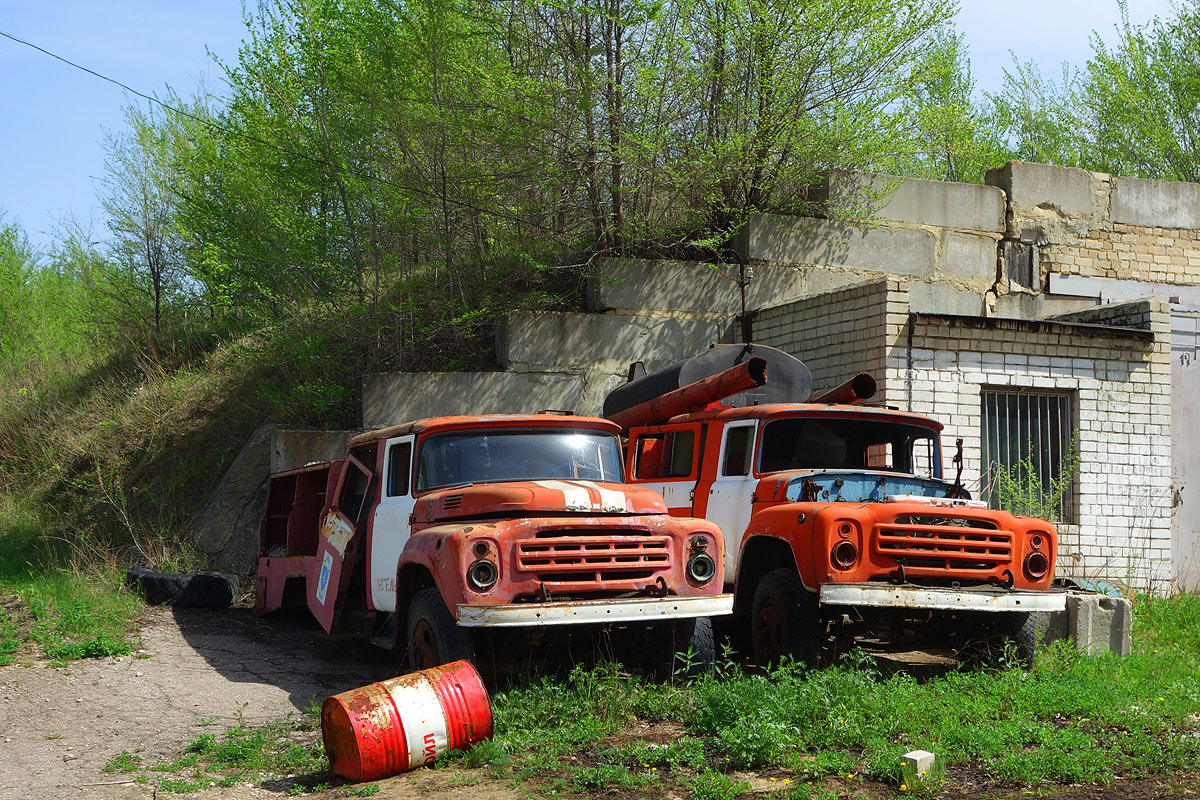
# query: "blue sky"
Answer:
x=53 y=117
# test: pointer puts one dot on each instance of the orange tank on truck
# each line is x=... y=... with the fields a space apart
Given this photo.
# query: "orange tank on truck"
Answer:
x=838 y=522
x=435 y=532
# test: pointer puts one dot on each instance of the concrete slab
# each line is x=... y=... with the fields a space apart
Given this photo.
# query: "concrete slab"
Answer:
x=968 y=257
x=937 y=297
x=1029 y=185
x=565 y=342
x=802 y=240
x=690 y=288
x=391 y=398
x=920 y=202
x=686 y=286
x=1155 y=204
x=292 y=449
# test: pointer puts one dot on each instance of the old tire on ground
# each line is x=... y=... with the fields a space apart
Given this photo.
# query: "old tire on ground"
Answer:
x=674 y=647
x=433 y=636
x=783 y=620
x=202 y=590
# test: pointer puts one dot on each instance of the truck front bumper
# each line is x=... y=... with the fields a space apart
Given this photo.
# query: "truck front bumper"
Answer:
x=885 y=595
x=579 y=612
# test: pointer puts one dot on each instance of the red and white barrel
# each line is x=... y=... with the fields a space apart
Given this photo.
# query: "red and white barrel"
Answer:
x=404 y=723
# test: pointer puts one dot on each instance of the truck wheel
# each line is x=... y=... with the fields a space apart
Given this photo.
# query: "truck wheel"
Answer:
x=783 y=620
x=1023 y=632
x=986 y=638
x=433 y=636
x=695 y=646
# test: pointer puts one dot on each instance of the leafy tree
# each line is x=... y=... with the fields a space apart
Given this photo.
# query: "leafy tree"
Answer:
x=137 y=196
x=1141 y=98
x=955 y=138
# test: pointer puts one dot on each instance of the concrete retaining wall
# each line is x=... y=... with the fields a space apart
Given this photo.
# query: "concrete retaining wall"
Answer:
x=392 y=398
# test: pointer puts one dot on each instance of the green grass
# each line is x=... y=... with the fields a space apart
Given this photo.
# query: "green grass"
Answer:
x=244 y=753
x=70 y=614
x=1071 y=719
x=810 y=734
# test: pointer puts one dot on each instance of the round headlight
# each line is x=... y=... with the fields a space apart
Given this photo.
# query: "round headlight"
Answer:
x=482 y=575
x=844 y=554
x=701 y=568
x=1036 y=565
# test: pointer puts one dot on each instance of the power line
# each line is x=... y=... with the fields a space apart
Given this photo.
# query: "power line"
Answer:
x=285 y=151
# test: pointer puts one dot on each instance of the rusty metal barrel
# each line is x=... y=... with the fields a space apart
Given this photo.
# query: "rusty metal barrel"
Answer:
x=404 y=723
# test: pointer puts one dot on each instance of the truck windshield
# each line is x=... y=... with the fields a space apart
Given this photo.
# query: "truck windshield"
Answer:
x=452 y=459
x=847 y=443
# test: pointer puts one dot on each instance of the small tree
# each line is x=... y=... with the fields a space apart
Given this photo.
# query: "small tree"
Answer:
x=1021 y=489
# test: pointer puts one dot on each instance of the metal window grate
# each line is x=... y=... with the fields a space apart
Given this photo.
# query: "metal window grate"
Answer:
x=1034 y=425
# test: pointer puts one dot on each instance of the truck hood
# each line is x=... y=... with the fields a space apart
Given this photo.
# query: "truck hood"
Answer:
x=537 y=497
x=850 y=486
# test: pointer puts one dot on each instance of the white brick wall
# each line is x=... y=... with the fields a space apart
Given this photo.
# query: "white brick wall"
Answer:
x=1121 y=384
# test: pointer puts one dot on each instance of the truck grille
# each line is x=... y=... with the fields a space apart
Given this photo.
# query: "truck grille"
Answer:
x=944 y=543
x=572 y=557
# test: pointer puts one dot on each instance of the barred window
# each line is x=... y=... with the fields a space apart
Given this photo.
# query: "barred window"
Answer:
x=1028 y=457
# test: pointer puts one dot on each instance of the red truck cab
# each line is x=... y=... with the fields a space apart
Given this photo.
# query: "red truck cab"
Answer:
x=455 y=525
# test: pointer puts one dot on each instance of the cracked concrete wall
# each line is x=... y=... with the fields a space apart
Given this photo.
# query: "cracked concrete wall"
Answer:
x=1091 y=225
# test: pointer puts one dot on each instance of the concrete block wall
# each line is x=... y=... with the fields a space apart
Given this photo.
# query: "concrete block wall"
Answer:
x=1095 y=225
x=943 y=237
x=1121 y=389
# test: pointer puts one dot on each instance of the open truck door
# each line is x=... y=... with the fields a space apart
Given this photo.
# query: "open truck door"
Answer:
x=339 y=548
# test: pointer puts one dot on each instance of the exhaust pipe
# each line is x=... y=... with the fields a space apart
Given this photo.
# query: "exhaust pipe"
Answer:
x=859 y=388
x=695 y=396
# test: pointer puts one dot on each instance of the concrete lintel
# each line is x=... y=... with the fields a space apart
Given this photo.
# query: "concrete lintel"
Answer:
x=1116 y=289
x=1042 y=326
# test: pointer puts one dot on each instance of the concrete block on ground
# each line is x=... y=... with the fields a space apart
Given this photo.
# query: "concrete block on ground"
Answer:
x=802 y=240
x=935 y=297
x=1096 y=623
x=968 y=257
x=292 y=449
x=392 y=398
x=920 y=202
x=918 y=762
x=565 y=342
x=1155 y=204
x=1029 y=185
x=226 y=528
x=1100 y=623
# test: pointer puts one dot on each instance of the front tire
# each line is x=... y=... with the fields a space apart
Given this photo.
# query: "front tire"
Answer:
x=784 y=620
x=433 y=636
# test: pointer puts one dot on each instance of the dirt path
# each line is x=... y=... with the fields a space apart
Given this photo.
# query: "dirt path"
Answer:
x=199 y=672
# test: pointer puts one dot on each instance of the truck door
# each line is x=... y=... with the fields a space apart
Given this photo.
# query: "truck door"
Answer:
x=340 y=544
x=663 y=458
x=730 y=492
x=391 y=528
